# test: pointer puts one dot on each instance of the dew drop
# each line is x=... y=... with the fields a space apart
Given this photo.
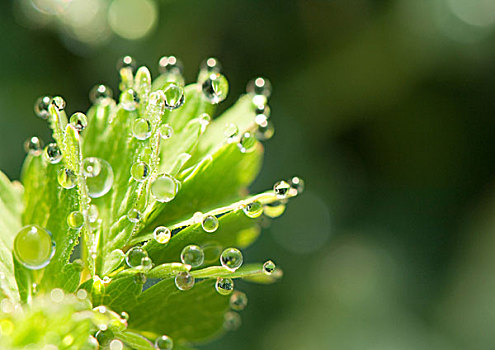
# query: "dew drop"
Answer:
x=126 y=62
x=104 y=337
x=136 y=257
x=192 y=255
x=99 y=93
x=33 y=146
x=134 y=216
x=140 y=171
x=230 y=132
x=34 y=247
x=184 y=281
x=297 y=183
x=99 y=176
x=215 y=88
x=164 y=188
x=79 y=121
x=238 y=301
x=253 y=209
x=174 y=96
x=91 y=343
x=59 y=103
x=141 y=129
x=210 y=223
x=281 y=189
x=263 y=109
x=224 y=286
x=247 y=142
x=66 y=178
x=268 y=267
x=170 y=64
x=265 y=131
x=274 y=209
x=207 y=67
x=166 y=131
x=164 y=343
x=93 y=213
x=162 y=234
x=129 y=100
x=75 y=220
x=231 y=321
x=140 y=278
x=41 y=107
x=259 y=86
x=261 y=120
x=53 y=154
x=124 y=316
x=231 y=259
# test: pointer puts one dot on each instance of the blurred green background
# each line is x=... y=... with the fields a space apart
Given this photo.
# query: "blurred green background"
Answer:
x=386 y=109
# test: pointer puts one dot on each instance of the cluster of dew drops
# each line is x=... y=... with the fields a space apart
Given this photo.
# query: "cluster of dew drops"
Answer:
x=99 y=175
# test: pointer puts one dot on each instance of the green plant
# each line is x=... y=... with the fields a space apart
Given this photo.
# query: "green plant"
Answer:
x=125 y=231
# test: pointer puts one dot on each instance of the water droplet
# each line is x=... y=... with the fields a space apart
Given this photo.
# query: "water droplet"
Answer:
x=265 y=131
x=263 y=109
x=79 y=121
x=247 y=142
x=204 y=121
x=140 y=278
x=164 y=343
x=297 y=184
x=260 y=86
x=281 y=189
x=164 y=188
x=99 y=176
x=136 y=257
x=129 y=100
x=116 y=345
x=215 y=88
x=57 y=295
x=99 y=93
x=162 y=234
x=261 y=120
x=34 y=247
x=224 y=286
x=127 y=62
x=238 y=301
x=75 y=220
x=268 y=267
x=231 y=259
x=66 y=178
x=93 y=213
x=231 y=321
x=230 y=132
x=207 y=67
x=174 y=96
x=170 y=64
x=166 y=131
x=59 y=103
x=134 y=216
x=81 y=294
x=41 y=107
x=53 y=154
x=192 y=255
x=33 y=146
x=209 y=223
x=124 y=316
x=104 y=337
x=140 y=171
x=274 y=209
x=91 y=344
x=253 y=209
x=141 y=129
x=184 y=281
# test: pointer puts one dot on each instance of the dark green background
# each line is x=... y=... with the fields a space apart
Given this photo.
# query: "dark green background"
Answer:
x=385 y=108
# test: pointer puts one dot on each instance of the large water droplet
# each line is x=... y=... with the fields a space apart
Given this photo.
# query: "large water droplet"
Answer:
x=164 y=343
x=104 y=337
x=174 y=96
x=134 y=216
x=59 y=103
x=209 y=223
x=99 y=176
x=99 y=93
x=297 y=184
x=166 y=131
x=79 y=121
x=162 y=234
x=33 y=146
x=224 y=286
x=253 y=209
x=41 y=107
x=66 y=178
x=269 y=267
x=140 y=171
x=184 y=281
x=231 y=259
x=75 y=220
x=137 y=257
x=215 y=88
x=238 y=301
x=53 y=154
x=141 y=129
x=274 y=209
x=247 y=142
x=164 y=188
x=231 y=321
x=129 y=100
x=34 y=247
x=259 y=86
x=192 y=255
x=127 y=62
x=281 y=189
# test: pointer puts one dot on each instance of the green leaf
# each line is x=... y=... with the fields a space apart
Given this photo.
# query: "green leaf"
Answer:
x=135 y=341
